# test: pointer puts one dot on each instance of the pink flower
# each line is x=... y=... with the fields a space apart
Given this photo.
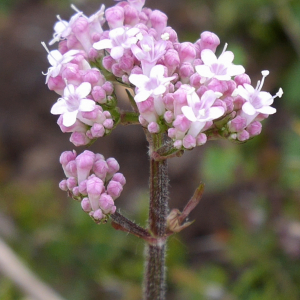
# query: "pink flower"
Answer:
x=154 y=85
x=220 y=68
x=200 y=111
x=73 y=102
x=119 y=40
x=57 y=60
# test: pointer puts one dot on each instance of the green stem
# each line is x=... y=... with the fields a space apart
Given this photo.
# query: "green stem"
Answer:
x=154 y=281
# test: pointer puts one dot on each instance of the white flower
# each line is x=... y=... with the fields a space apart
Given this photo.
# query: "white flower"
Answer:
x=119 y=39
x=154 y=85
x=63 y=28
x=200 y=111
x=57 y=60
x=73 y=102
x=257 y=101
x=220 y=68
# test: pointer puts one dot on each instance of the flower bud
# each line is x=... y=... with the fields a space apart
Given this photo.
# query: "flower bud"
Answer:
x=106 y=203
x=254 y=128
x=189 y=142
x=114 y=189
x=114 y=16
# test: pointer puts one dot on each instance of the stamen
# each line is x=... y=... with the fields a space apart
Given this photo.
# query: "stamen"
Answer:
x=264 y=73
x=165 y=36
x=45 y=46
x=225 y=47
x=279 y=93
x=75 y=8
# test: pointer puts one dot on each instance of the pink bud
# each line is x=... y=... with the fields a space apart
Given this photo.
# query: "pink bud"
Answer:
x=237 y=124
x=153 y=127
x=97 y=215
x=106 y=203
x=229 y=104
x=172 y=133
x=92 y=76
x=85 y=205
x=189 y=142
x=254 y=128
x=94 y=188
x=185 y=71
x=243 y=136
x=116 y=70
x=158 y=20
x=100 y=168
x=71 y=74
x=113 y=166
x=71 y=183
x=107 y=62
x=171 y=59
x=182 y=123
x=178 y=144
x=84 y=162
x=168 y=116
x=201 y=139
x=71 y=169
x=209 y=40
x=241 y=79
x=97 y=130
x=231 y=86
x=238 y=102
x=131 y=15
x=143 y=121
x=63 y=185
x=75 y=191
x=195 y=80
x=187 y=52
x=126 y=63
x=79 y=139
x=168 y=100
x=82 y=187
x=108 y=87
x=114 y=189
x=56 y=84
x=108 y=123
x=114 y=16
x=66 y=157
x=120 y=178
x=99 y=94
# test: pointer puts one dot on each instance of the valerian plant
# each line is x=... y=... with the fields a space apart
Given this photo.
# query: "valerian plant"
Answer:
x=181 y=93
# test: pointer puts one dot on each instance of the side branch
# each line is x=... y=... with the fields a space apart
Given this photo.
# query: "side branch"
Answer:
x=122 y=223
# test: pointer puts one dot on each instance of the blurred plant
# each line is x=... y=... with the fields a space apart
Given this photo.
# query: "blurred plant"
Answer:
x=184 y=96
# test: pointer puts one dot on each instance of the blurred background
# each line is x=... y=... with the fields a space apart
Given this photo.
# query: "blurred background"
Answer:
x=245 y=241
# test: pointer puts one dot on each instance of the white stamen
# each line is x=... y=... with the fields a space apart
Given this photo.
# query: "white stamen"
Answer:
x=165 y=36
x=225 y=47
x=46 y=48
x=279 y=93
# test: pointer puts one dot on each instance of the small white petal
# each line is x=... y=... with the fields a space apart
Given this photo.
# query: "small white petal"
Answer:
x=269 y=110
x=189 y=113
x=59 y=107
x=248 y=109
x=208 y=57
x=142 y=96
x=87 y=105
x=69 y=118
x=104 y=44
x=117 y=52
x=84 y=89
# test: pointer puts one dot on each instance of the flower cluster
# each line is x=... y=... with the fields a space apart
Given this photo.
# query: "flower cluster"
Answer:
x=93 y=181
x=180 y=88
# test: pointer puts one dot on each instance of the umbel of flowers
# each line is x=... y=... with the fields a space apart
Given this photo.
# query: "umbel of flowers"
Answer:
x=182 y=88
x=181 y=93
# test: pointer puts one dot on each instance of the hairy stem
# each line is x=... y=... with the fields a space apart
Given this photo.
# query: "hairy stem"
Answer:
x=154 y=281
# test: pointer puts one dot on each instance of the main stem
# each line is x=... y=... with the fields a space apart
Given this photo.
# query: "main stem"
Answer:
x=154 y=281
